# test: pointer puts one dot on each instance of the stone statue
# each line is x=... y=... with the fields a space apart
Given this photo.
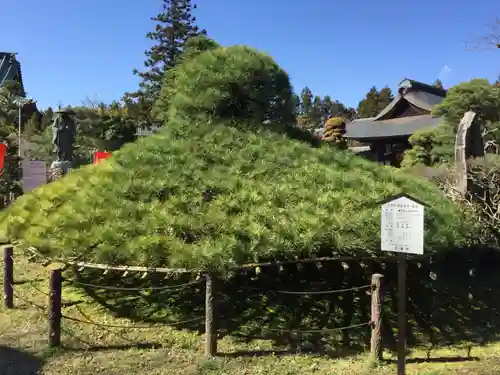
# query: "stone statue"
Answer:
x=63 y=134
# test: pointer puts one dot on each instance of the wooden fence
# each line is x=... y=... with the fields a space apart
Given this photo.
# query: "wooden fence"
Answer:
x=55 y=315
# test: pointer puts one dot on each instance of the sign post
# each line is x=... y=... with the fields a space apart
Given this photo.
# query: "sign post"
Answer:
x=402 y=231
x=34 y=174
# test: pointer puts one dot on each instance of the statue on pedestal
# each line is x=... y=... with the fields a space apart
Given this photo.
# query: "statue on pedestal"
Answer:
x=63 y=139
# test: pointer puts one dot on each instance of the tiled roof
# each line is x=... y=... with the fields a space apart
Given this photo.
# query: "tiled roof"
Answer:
x=10 y=68
x=410 y=94
x=420 y=99
x=368 y=128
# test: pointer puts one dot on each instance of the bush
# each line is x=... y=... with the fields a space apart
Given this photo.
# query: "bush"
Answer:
x=484 y=196
x=234 y=82
x=334 y=131
x=430 y=147
x=193 y=47
x=217 y=188
x=199 y=194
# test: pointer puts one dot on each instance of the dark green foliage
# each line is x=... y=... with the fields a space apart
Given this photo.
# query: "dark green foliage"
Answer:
x=46 y=119
x=436 y=147
x=430 y=147
x=439 y=84
x=374 y=102
x=306 y=99
x=175 y=24
x=10 y=178
x=314 y=111
x=10 y=184
x=477 y=95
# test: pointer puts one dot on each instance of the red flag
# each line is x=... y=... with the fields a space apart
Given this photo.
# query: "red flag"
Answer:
x=100 y=155
x=3 y=151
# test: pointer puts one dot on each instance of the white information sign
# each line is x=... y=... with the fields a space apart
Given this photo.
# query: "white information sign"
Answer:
x=34 y=174
x=402 y=226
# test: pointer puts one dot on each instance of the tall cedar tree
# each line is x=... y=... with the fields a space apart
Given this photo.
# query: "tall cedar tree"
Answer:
x=174 y=26
x=374 y=102
x=439 y=84
x=306 y=98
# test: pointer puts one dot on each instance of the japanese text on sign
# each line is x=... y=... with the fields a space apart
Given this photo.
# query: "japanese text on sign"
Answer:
x=402 y=226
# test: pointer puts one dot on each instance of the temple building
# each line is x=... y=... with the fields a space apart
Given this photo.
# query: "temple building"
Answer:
x=10 y=70
x=387 y=133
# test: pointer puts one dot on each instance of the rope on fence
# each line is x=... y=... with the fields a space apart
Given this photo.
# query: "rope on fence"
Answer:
x=117 y=288
x=86 y=317
x=31 y=284
x=316 y=330
x=29 y=302
x=92 y=322
x=77 y=338
x=142 y=269
x=128 y=327
x=325 y=291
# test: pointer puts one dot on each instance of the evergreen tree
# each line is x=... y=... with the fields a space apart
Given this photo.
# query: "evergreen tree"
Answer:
x=10 y=185
x=374 y=102
x=384 y=98
x=47 y=119
x=437 y=83
x=350 y=113
x=306 y=98
x=317 y=112
x=174 y=26
x=31 y=126
x=296 y=103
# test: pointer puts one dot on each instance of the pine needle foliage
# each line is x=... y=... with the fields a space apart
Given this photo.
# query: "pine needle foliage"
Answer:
x=221 y=186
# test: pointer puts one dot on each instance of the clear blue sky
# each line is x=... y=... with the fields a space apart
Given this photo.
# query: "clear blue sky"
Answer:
x=73 y=49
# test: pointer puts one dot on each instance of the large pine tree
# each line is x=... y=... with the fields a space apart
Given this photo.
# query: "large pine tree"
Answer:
x=175 y=24
x=306 y=101
x=439 y=84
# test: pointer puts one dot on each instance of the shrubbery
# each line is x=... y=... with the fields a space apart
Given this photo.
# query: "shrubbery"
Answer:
x=219 y=186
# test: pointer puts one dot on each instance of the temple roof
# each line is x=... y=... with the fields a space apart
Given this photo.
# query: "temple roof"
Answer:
x=408 y=112
x=10 y=68
x=368 y=128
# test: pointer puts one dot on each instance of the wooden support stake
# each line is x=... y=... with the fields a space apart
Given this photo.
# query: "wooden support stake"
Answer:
x=8 y=276
x=401 y=314
x=210 y=316
x=55 y=308
x=376 y=348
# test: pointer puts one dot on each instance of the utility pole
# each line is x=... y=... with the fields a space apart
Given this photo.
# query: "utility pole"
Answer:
x=19 y=130
x=21 y=102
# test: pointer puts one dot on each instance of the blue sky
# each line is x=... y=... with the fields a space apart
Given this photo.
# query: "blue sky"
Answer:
x=70 y=50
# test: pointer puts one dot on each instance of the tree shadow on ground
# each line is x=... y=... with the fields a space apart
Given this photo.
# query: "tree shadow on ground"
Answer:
x=17 y=362
x=451 y=300
x=437 y=360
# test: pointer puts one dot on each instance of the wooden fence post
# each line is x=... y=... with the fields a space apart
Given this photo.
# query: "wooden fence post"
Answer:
x=210 y=316
x=55 y=308
x=376 y=348
x=8 y=276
